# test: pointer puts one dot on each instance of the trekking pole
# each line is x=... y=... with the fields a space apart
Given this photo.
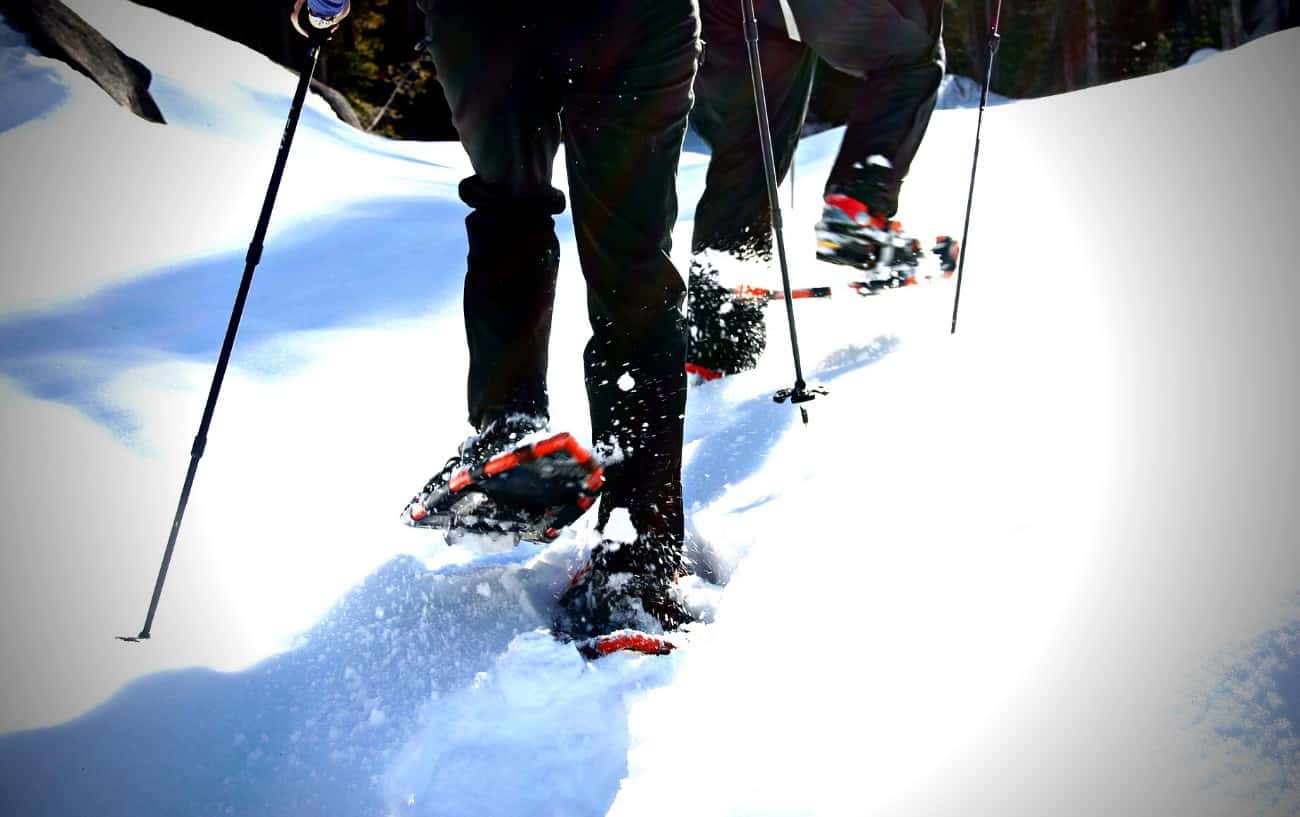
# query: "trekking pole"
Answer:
x=994 y=39
x=800 y=392
x=251 y=261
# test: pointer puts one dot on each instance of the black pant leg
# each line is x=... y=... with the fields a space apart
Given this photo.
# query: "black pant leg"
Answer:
x=514 y=258
x=506 y=110
x=625 y=119
x=734 y=214
x=889 y=117
x=895 y=47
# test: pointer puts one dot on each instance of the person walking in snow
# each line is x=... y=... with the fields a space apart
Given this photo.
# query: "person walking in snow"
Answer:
x=895 y=48
x=613 y=81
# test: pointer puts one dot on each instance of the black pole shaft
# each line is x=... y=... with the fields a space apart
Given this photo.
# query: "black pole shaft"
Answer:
x=769 y=168
x=223 y=360
x=994 y=38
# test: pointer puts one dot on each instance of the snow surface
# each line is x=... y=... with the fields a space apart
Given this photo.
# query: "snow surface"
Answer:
x=964 y=92
x=1045 y=566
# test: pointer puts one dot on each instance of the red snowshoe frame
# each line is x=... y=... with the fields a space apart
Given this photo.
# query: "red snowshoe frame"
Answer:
x=624 y=641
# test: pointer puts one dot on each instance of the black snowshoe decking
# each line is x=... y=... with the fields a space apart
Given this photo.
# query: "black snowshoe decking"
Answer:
x=531 y=492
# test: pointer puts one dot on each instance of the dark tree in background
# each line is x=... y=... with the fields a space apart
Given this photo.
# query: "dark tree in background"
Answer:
x=1051 y=46
x=1048 y=47
x=373 y=56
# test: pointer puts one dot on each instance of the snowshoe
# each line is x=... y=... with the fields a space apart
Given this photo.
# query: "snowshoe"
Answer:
x=530 y=491
x=852 y=234
x=604 y=611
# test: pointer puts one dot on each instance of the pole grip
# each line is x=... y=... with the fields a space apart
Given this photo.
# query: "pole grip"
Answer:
x=317 y=19
x=326 y=9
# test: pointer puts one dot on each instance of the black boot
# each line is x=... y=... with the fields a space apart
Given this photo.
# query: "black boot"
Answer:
x=612 y=594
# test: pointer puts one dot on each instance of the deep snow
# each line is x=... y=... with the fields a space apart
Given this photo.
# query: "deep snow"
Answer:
x=1046 y=566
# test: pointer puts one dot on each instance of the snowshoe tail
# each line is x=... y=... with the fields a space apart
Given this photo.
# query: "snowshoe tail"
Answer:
x=530 y=492
x=703 y=373
x=624 y=641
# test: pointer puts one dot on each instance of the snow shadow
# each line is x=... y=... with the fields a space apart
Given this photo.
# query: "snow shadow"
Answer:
x=853 y=357
x=543 y=732
x=754 y=426
x=375 y=260
x=1250 y=715
x=410 y=684
x=728 y=459
x=29 y=90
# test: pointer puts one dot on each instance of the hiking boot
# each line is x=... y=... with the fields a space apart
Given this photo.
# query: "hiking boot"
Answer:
x=599 y=601
x=851 y=233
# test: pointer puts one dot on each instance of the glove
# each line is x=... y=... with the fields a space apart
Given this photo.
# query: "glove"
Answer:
x=317 y=19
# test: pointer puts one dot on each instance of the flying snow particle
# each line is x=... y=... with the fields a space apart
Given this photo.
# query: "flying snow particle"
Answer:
x=619 y=528
x=626 y=382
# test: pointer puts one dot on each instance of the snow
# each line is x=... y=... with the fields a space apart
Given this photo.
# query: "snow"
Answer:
x=1045 y=566
x=964 y=92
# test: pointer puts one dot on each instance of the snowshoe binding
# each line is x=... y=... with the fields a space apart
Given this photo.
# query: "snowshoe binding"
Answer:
x=852 y=234
x=512 y=479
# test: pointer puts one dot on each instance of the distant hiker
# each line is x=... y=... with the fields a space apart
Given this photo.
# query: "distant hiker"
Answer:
x=895 y=48
x=613 y=82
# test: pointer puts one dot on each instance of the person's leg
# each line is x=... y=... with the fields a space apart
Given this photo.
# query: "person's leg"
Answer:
x=624 y=117
x=505 y=109
x=896 y=47
x=734 y=214
x=733 y=220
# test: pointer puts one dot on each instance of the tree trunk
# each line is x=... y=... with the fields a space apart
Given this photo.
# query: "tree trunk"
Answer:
x=1091 y=50
x=1260 y=17
x=1230 y=21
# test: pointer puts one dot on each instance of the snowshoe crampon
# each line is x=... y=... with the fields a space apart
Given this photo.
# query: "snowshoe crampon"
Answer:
x=530 y=492
x=624 y=641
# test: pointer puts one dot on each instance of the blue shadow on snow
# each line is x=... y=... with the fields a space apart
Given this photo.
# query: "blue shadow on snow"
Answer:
x=315 y=731
x=379 y=259
x=754 y=426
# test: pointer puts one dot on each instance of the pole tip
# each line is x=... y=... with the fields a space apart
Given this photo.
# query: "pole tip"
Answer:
x=135 y=639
